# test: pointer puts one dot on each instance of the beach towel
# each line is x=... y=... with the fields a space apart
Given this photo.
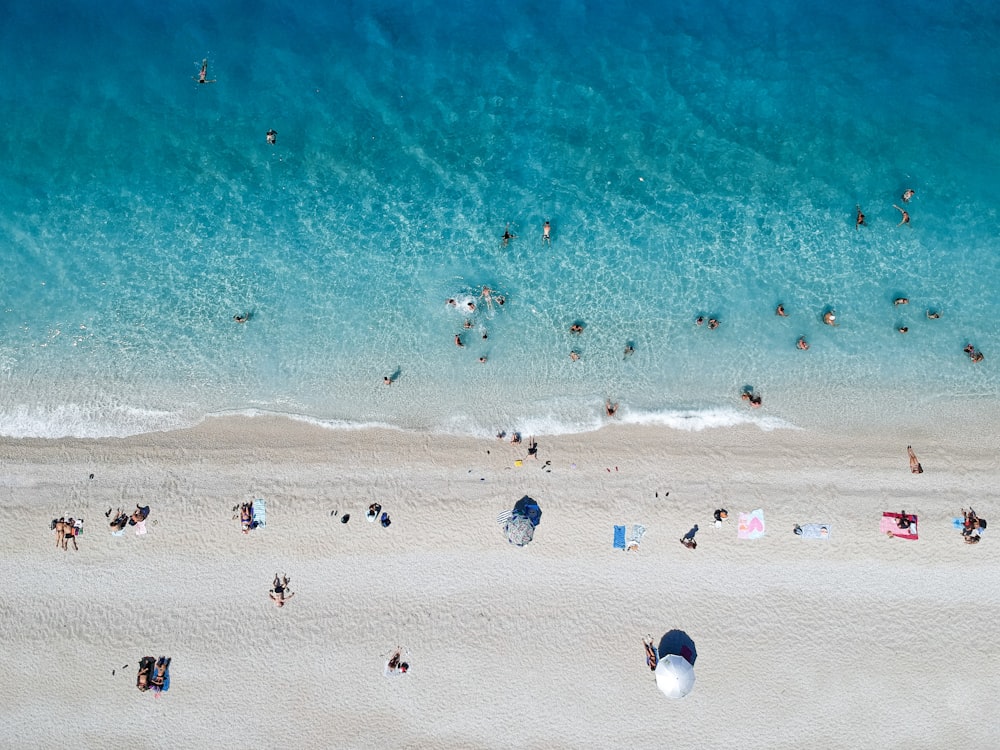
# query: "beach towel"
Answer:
x=140 y=528
x=619 y=542
x=751 y=525
x=635 y=537
x=888 y=526
x=815 y=531
x=504 y=517
x=259 y=514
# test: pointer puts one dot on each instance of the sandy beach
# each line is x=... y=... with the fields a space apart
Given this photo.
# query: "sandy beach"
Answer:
x=857 y=641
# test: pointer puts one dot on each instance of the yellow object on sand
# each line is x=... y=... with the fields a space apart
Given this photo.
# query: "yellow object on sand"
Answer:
x=519 y=462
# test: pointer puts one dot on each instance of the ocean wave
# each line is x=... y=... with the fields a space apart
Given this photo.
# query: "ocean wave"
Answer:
x=91 y=421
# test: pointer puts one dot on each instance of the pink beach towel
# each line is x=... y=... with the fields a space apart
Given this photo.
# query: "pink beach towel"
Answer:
x=751 y=525
x=888 y=526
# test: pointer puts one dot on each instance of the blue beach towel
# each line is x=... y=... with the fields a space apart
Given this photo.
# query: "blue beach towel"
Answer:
x=259 y=514
x=619 y=537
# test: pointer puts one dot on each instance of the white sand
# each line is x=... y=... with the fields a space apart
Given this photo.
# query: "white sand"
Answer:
x=861 y=641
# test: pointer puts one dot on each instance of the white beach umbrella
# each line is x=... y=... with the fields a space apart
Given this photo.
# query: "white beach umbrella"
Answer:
x=674 y=676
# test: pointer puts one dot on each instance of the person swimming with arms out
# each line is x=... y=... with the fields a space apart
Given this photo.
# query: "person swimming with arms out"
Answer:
x=906 y=216
x=203 y=73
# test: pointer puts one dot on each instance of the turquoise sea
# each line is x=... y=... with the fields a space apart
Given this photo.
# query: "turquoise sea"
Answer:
x=693 y=159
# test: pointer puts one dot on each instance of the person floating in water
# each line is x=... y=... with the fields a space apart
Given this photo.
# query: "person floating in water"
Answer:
x=629 y=351
x=780 y=311
x=906 y=216
x=907 y=194
x=507 y=236
x=830 y=318
x=546 y=232
x=802 y=343
x=859 y=221
x=272 y=136
x=242 y=318
x=203 y=74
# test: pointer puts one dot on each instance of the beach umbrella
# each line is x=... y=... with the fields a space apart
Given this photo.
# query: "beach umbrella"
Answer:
x=674 y=676
x=519 y=530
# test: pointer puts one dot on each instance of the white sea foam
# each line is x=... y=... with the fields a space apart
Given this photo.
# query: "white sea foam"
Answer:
x=90 y=421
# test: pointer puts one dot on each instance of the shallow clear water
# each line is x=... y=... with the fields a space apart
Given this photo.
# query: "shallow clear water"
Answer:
x=692 y=161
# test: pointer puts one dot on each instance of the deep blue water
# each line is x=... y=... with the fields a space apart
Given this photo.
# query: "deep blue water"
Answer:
x=692 y=161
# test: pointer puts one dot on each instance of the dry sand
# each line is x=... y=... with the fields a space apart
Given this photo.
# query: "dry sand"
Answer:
x=860 y=641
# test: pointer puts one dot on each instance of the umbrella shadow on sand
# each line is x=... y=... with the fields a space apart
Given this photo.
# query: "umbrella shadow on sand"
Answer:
x=680 y=643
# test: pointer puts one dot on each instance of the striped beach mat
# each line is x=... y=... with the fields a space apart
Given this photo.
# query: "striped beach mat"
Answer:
x=259 y=513
x=504 y=517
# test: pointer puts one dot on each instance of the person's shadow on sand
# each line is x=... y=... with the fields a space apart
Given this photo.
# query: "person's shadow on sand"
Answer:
x=680 y=643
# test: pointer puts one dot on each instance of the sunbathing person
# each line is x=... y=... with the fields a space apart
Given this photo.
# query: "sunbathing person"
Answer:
x=395 y=660
x=145 y=671
x=160 y=673
x=915 y=467
x=970 y=521
x=279 y=591
x=141 y=512
x=651 y=657
x=121 y=520
x=246 y=517
x=903 y=521
x=373 y=510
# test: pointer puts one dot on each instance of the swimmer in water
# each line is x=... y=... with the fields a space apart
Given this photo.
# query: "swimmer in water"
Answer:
x=507 y=236
x=907 y=194
x=906 y=216
x=458 y=341
x=901 y=301
x=203 y=74
x=546 y=232
x=780 y=311
x=802 y=343
x=629 y=351
x=859 y=221
x=242 y=318
x=933 y=315
x=272 y=136
x=830 y=318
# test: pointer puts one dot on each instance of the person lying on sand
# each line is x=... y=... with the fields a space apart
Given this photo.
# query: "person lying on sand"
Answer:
x=280 y=593
x=915 y=467
x=159 y=675
x=120 y=521
x=651 y=657
x=903 y=521
x=246 y=517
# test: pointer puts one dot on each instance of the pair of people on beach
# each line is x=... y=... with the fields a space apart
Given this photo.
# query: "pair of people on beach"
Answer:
x=67 y=530
x=396 y=665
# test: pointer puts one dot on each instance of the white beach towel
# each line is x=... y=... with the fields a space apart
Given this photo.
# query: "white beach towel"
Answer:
x=140 y=528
